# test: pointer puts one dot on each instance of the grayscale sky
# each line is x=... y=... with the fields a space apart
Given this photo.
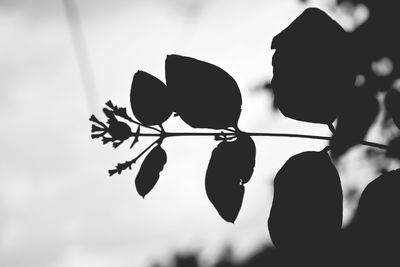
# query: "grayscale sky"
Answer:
x=58 y=207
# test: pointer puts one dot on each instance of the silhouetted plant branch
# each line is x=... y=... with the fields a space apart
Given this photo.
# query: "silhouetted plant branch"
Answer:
x=100 y=129
x=314 y=81
x=128 y=164
x=121 y=112
x=266 y=134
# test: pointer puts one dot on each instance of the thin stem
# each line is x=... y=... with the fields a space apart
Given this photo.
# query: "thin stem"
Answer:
x=144 y=151
x=139 y=124
x=318 y=137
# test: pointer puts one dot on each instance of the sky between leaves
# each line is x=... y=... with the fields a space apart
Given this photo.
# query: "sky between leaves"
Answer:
x=57 y=205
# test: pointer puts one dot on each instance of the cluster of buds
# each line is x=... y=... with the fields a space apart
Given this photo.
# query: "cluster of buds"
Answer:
x=116 y=131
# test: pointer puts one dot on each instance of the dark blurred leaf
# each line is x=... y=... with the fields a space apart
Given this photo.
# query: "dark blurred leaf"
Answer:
x=268 y=88
x=150 y=100
x=205 y=96
x=306 y=212
x=312 y=68
x=231 y=165
x=393 y=150
x=354 y=121
x=392 y=104
x=149 y=172
x=377 y=219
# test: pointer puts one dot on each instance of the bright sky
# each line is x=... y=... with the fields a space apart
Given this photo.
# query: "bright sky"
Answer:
x=58 y=207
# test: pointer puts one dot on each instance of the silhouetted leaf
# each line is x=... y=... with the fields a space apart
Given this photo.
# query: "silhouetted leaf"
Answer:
x=149 y=172
x=306 y=212
x=393 y=150
x=392 y=104
x=377 y=219
x=231 y=165
x=312 y=68
x=354 y=121
x=150 y=100
x=205 y=96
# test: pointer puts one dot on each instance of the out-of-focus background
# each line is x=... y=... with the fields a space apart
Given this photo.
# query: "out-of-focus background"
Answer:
x=60 y=61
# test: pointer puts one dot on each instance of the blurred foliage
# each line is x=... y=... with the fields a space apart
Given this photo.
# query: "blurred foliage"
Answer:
x=377 y=61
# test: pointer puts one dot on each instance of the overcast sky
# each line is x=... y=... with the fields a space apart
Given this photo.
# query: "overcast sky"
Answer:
x=58 y=207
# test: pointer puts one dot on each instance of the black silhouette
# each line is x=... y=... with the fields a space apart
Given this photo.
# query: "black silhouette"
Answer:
x=149 y=172
x=392 y=104
x=393 y=150
x=205 y=96
x=306 y=212
x=373 y=237
x=312 y=68
x=150 y=99
x=354 y=121
x=315 y=66
x=231 y=166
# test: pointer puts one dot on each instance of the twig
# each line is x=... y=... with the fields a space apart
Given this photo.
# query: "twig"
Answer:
x=213 y=134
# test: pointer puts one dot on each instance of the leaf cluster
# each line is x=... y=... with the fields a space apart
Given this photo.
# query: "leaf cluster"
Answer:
x=314 y=81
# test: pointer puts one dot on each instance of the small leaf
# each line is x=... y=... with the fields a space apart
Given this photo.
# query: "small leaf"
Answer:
x=149 y=172
x=205 y=96
x=393 y=150
x=306 y=211
x=354 y=121
x=312 y=68
x=150 y=99
x=231 y=165
x=392 y=104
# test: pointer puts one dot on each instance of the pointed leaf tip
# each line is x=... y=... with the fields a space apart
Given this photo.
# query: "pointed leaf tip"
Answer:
x=112 y=172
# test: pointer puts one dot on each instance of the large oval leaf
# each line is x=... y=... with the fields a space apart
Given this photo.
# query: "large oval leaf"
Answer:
x=312 y=68
x=307 y=206
x=377 y=220
x=231 y=165
x=392 y=104
x=354 y=121
x=205 y=96
x=149 y=172
x=150 y=99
